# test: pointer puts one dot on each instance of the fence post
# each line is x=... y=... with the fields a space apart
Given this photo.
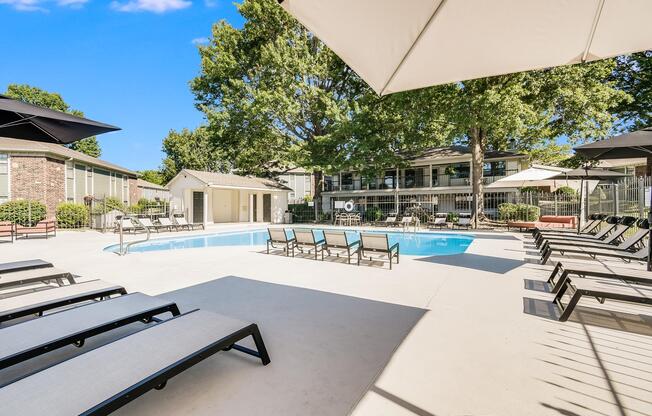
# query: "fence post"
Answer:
x=615 y=191
x=641 y=197
x=29 y=212
x=556 y=206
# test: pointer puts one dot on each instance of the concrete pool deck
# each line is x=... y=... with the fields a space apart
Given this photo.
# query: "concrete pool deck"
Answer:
x=484 y=346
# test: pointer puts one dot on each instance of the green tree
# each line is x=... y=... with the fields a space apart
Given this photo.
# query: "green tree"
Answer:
x=276 y=97
x=152 y=175
x=528 y=108
x=54 y=101
x=633 y=74
x=190 y=149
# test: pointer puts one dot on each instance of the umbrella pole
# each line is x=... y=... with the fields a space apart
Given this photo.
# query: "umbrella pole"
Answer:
x=579 y=214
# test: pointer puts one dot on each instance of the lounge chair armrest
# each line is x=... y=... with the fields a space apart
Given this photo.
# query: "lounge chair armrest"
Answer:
x=322 y=241
x=354 y=244
x=395 y=246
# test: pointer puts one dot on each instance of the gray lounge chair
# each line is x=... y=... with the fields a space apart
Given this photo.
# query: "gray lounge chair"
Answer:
x=183 y=223
x=104 y=379
x=629 y=244
x=371 y=244
x=390 y=221
x=601 y=289
x=127 y=225
x=146 y=222
x=613 y=224
x=590 y=228
x=17 y=266
x=463 y=220
x=439 y=220
x=168 y=224
x=38 y=302
x=337 y=242
x=32 y=338
x=279 y=236
x=306 y=240
x=26 y=277
x=564 y=271
x=624 y=225
x=626 y=256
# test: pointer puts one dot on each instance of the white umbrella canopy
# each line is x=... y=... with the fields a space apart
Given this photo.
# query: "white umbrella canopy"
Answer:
x=398 y=45
x=534 y=176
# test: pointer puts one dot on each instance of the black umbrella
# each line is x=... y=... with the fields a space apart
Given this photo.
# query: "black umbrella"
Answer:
x=21 y=120
x=632 y=145
x=587 y=173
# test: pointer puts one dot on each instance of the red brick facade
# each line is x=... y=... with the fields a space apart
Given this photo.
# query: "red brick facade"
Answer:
x=134 y=191
x=38 y=178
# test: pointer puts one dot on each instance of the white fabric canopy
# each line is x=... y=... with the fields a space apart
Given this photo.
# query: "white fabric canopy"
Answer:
x=398 y=45
x=536 y=176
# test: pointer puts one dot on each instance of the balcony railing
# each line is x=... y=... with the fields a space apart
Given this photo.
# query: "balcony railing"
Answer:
x=409 y=182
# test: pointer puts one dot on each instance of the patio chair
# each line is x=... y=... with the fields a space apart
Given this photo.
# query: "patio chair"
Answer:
x=406 y=221
x=624 y=255
x=40 y=301
x=108 y=377
x=612 y=242
x=31 y=276
x=147 y=223
x=390 y=221
x=378 y=244
x=7 y=230
x=279 y=236
x=438 y=220
x=29 y=339
x=167 y=224
x=590 y=228
x=564 y=270
x=601 y=290
x=183 y=223
x=355 y=219
x=17 y=266
x=612 y=225
x=463 y=220
x=306 y=240
x=621 y=227
x=127 y=225
x=337 y=242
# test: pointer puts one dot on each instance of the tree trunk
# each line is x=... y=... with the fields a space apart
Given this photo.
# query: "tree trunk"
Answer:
x=477 y=166
x=316 y=195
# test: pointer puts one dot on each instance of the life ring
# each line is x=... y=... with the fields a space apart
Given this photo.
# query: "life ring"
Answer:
x=348 y=206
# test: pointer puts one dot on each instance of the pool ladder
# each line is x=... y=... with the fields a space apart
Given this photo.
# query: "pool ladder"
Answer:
x=124 y=248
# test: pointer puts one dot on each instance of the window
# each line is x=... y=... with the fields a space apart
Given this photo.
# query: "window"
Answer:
x=4 y=178
x=347 y=180
x=389 y=182
x=497 y=168
x=458 y=171
x=125 y=189
x=70 y=181
x=413 y=178
x=435 y=176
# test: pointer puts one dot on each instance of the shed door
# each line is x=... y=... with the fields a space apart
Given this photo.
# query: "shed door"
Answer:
x=197 y=206
x=267 y=207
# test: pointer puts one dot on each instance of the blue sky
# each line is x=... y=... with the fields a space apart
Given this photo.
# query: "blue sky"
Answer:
x=124 y=62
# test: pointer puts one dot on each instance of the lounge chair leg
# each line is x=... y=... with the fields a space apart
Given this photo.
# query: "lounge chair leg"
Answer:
x=562 y=279
x=260 y=345
x=568 y=310
x=554 y=272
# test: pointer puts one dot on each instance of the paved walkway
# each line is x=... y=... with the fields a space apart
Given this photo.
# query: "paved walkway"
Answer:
x=486 y=346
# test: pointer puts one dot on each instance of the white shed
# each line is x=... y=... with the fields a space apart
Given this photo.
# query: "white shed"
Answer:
x=211 y=197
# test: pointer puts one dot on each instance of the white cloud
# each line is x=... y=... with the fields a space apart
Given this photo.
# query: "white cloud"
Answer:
x=156 y=6
x=210 y=3
x=199 y=41
x=40 y=5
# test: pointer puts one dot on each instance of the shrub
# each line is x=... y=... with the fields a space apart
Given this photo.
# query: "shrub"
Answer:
x=374 y=214
x=565 y=190
x=519 y=212
x=109 y=204
x=452 y=217
x=25 y=213
x=72 y=215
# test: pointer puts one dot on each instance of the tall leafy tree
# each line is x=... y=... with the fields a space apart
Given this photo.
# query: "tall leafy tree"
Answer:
x=190 y=149
x=276 y=97
x=528 y=109
x=54 y=101
x=633 y=75
x=152 y=175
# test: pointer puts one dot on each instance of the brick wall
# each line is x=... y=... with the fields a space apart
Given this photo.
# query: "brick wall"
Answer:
x=38 y=178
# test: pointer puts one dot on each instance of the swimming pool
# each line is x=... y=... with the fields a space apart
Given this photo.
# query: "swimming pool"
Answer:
x=414 y=244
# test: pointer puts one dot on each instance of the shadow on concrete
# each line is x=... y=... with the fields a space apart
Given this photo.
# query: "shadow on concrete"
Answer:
x=495 y=237
x=603 y=318
x=491 y=264
x=413 y=409
x=326 y=351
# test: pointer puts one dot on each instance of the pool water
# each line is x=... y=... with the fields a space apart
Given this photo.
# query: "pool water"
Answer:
x=415 y=244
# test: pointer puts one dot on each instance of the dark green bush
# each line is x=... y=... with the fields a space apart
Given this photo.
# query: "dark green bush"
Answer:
x=25 y=213
x=109 y=204
x=518 y=212
x=373 y=214
x=565 y=190
x=72 y=215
